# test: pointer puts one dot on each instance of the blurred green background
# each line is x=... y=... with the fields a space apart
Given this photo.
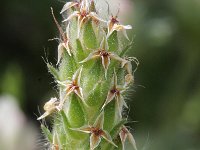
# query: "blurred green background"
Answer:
x=165 y=100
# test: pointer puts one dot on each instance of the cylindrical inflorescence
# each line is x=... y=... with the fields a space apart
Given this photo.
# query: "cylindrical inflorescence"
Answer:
x=92 y=76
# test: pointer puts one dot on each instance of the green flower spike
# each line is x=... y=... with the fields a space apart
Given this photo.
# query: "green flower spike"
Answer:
x=84 y=14
x=92 y=75
x=97 y=132
x=72 y=86
x=104 y=55
x=116 y=93
x=124 y=134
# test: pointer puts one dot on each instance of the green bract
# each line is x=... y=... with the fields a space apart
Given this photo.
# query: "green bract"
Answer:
x=92 y=76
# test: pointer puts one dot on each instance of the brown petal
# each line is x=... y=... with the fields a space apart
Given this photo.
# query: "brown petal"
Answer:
x=80 y=95
x=66 y=46
x=105 y=63
x=123 y=136
x=110 y=28
x=132 y=140
x=125 y=133
x=69 y=91
x=92 y=55
x=109 y=98
x=77 y=76
x=85 y=129
x=94 y=141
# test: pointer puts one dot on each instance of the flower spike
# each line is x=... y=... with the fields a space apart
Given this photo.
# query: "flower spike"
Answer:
x=72 y=86
x=97 y=132
x=124 y=134
x=114 y=25
x=92 y=74
x=116 y=92
x=49 y=107
x=64 y=44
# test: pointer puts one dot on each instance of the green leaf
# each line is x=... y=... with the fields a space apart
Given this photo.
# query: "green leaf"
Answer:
x=47 y=133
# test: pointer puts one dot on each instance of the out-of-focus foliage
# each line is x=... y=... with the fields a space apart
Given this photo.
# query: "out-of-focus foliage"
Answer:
x=166 y=43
